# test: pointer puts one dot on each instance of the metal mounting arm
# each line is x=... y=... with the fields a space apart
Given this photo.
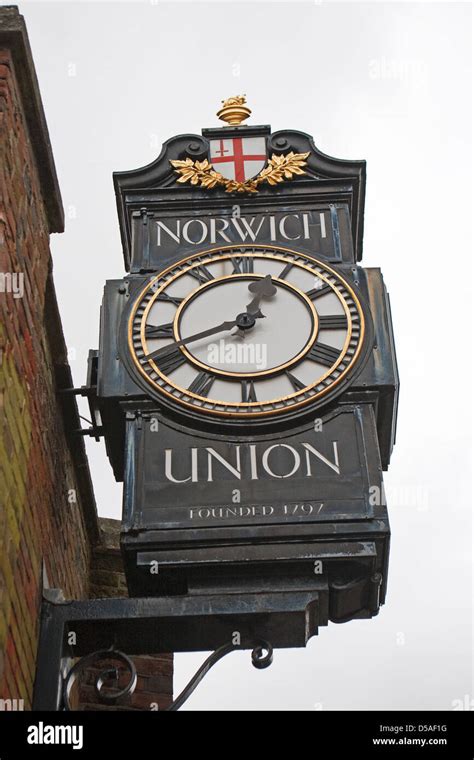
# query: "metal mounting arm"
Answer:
x=149 y=625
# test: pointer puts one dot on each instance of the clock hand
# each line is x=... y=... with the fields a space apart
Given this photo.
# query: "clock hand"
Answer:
x=204 y=334
x=243 y=321
x=263 y=288
x=260 y=289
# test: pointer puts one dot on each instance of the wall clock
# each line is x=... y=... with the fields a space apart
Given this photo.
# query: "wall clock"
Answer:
x=246 y=332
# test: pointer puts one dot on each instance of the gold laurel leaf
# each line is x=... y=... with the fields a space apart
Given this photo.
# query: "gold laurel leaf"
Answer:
x=278 y=169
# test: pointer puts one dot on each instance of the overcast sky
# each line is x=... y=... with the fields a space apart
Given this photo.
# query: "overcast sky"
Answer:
x=390 y=83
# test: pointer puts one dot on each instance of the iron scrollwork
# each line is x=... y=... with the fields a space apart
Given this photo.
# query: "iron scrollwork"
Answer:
x=106 y=675
x=261 y=656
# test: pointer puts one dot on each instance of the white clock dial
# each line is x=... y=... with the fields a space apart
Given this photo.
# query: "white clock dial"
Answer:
x=246 y=331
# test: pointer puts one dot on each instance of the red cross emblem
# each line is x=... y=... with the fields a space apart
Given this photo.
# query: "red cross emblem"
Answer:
x=238 y=158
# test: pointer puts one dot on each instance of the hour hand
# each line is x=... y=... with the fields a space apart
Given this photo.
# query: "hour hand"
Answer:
x=263 y=288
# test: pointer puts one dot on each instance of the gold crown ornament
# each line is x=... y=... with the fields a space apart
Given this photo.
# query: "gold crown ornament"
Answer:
x=234 y=111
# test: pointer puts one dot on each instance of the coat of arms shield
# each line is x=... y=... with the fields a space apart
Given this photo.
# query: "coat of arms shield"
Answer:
x=238 y=158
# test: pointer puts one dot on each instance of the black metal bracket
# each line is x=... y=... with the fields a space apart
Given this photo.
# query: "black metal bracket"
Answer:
x=79 y=633
x=94 y=431
x=90 y=392
x=260 y=660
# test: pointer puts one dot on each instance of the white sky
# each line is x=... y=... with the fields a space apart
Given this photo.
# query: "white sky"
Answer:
x=390 y=83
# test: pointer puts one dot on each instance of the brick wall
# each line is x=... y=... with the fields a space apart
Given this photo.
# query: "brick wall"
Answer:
x=49 y=530
x=42 y=509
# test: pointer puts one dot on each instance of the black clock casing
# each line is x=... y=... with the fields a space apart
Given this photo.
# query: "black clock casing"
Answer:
x=289 y=503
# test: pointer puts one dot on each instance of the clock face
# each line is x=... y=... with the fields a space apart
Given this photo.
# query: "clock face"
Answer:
x=246 y=331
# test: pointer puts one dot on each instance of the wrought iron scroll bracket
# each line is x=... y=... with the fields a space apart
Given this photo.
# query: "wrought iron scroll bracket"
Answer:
x=105 y=675
x=259 y=660
x=262 y=657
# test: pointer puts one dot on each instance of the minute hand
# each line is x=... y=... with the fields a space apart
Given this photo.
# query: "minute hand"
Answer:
x=204 y=334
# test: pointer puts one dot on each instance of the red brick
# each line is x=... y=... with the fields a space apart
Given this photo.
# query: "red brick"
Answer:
x=37 y=469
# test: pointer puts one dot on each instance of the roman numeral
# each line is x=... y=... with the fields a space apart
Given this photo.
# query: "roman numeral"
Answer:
x=243 y=265
x=159 y=331
x=324 y=354
x=170 y=299
x=248 y=391
x=333 y=322
x=318 y=292
x=285 y=271
x=202 y=383
x=170 y=361
x=201 y=273
x=297 y=384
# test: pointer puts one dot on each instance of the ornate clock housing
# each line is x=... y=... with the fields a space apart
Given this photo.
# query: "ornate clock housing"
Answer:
x=246 y=385
x=247 y=332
